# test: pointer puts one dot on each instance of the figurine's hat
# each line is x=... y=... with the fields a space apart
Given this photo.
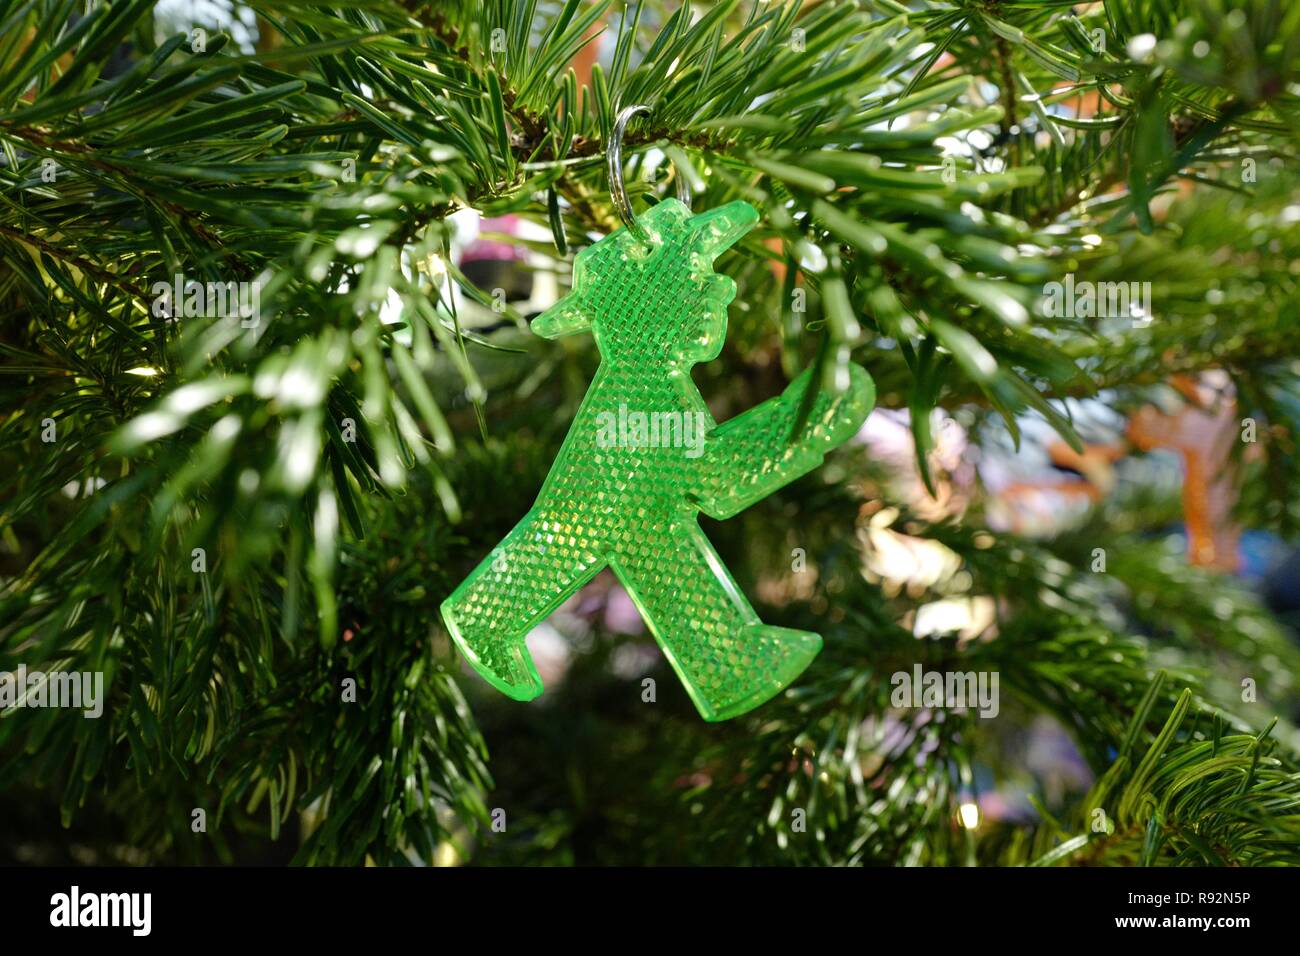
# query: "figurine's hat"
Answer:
x=707 y=235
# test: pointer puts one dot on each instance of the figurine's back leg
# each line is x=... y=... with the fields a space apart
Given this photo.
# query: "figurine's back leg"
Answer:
x=729 y=660
x=539 y=565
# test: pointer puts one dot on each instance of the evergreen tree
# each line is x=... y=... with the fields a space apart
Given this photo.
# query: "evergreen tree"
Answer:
x=248 y=518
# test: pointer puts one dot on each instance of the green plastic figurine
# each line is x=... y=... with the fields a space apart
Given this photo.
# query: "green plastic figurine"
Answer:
x=642 y=458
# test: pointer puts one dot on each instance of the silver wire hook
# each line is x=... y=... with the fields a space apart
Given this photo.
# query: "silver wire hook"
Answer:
x=617 y=190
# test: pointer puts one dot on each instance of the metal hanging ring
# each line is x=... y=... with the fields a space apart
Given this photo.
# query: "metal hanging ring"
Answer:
x=617 y=191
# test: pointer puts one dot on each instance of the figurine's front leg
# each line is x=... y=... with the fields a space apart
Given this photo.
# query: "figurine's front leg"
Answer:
x=728 y=660
x=539 y=565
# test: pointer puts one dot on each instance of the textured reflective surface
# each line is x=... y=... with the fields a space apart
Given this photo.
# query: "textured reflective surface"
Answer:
x=641 y=459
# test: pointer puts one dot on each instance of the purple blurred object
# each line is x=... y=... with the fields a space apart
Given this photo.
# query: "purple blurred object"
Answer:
x=491 y=264
x=494 y=250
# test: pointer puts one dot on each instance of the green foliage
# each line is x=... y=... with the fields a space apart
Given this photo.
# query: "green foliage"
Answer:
x=339 y=466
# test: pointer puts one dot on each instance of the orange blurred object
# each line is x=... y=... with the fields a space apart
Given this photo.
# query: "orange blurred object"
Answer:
x=1202 y=431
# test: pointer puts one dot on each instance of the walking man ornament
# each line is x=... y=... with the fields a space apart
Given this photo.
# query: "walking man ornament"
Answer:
x=650 y=297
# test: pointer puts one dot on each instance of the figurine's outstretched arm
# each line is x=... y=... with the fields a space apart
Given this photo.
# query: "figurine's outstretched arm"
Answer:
x=748 y=457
